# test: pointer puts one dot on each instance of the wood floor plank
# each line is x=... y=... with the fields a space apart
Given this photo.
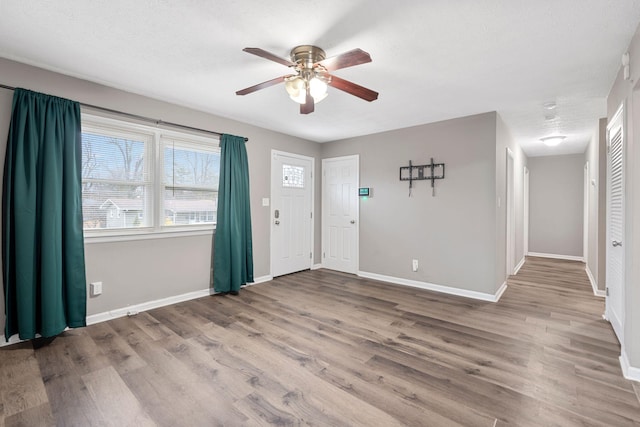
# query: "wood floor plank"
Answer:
x=40 y=415
x=116 y=403
x=177 y=394
x=115 y=347
x=21 y=384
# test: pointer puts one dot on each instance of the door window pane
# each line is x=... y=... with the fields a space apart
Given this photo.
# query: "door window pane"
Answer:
x=292 y=176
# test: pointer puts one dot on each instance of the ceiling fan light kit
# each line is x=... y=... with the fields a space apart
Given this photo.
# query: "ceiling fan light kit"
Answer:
x=311 y=79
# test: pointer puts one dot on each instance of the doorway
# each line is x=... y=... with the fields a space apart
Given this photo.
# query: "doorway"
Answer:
x=340 y=213
x=291 y=213
x=511 y=223
x=585 y=221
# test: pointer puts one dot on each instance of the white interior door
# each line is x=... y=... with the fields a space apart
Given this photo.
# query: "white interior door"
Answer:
x=340 y=213
x=291 y=213
x=615 y=224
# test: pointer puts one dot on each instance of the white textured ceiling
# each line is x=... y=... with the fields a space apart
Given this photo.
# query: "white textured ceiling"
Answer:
x=432 y=60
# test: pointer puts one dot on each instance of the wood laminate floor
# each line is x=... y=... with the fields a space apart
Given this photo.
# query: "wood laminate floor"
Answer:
x=330 y=349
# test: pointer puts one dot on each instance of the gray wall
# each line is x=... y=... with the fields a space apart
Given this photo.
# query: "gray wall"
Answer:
x=134 y=272
x=453 y=234
x=556 y=205
x=628 y=92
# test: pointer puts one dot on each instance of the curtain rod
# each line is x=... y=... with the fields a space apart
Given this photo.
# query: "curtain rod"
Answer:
x=137 y=117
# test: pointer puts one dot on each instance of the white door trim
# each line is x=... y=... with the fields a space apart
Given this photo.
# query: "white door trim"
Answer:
x=271 y=205
x=355 y=157
x=585 y=214
x=510 y=212
x=526 y=211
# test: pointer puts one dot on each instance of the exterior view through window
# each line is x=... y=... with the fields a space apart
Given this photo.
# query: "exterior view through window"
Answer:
x=141 y=178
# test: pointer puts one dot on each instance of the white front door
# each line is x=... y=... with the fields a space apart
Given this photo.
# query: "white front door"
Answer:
x=340 y=213
x=291 y=213
x=615 y=224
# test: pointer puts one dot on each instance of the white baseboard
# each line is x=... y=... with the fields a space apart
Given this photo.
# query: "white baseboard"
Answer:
x=519 y=266
x=629 y=372
x=437 y=288
x=261 y=279
x=13 y=340
x=149 y=305
x=316 y=266
x=130 y=310
x=137 y=308
x=594 y=286
x=556 y=256
x=500 y=291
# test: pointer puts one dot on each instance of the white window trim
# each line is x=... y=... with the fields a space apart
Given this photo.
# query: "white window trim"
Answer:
x=158 y=230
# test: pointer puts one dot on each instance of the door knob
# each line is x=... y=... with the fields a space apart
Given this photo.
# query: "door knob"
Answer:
x=277 y=222
x=616 y=243
x=353 y=221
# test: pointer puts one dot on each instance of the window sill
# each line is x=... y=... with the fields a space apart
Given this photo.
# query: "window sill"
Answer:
x=127 y=235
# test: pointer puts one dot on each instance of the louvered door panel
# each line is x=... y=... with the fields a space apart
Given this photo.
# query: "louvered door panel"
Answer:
x=615 y=252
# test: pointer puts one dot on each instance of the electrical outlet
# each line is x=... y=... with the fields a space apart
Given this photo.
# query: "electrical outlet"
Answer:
x=96 y=288
x=415 y=265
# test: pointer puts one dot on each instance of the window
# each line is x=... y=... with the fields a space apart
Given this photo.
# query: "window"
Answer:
x=292 y=176
x=138 y=179
x=191 y=175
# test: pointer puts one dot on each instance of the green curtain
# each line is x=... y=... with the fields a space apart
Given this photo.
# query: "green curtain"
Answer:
x=232 y=249
x=42 y=241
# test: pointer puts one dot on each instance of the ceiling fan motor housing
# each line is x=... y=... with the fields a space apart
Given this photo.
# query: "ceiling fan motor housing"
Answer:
x=307 y=55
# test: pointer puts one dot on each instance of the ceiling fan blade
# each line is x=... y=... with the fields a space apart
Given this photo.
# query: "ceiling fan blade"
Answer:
x=262 y=85
x=353 y=89
x=268 y=55
x=308 y=106
x=347 y=59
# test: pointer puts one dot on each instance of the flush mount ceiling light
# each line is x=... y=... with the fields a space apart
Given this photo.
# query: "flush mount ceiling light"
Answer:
x=552 y=141
x=308 y=85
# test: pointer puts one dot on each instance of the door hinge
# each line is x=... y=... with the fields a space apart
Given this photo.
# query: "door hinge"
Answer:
x=606 y=291
x=310 y=255
x=608 y=148
x=323 y=255
x=312 y=215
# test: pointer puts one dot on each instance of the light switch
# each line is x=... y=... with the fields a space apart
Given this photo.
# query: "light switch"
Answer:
x=265 y=201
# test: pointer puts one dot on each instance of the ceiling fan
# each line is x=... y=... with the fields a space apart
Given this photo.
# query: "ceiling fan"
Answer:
x=310 y=79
